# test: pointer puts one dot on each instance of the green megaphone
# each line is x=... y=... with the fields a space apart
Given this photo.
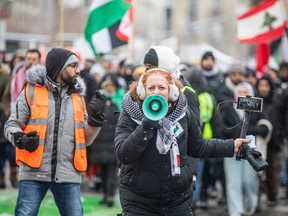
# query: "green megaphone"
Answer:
x=155 y=107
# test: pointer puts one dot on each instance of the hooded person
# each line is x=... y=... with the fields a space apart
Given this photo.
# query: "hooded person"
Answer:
x=51 y=112
x=247 y=180
x=164 y=57
x=155 y=175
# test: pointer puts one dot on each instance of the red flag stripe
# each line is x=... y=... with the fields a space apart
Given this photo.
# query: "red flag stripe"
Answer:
x=257 y=8
x=266 y=37
x=262 y=56
x=178 y=160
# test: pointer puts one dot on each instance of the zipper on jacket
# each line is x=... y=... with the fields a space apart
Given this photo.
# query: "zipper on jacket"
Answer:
x=57 y=99
x=17 y=112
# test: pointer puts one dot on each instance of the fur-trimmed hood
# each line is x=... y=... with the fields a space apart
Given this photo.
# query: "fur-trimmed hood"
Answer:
x=37 y=75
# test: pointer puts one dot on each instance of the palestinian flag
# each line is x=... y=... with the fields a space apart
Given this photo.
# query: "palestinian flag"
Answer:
x=102 y=24
x=278 y=49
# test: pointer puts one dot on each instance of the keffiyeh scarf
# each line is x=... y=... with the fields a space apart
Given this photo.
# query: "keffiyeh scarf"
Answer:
x=166 y=139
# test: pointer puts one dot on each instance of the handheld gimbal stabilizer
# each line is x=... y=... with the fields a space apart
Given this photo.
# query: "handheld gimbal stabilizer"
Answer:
x=250 y=104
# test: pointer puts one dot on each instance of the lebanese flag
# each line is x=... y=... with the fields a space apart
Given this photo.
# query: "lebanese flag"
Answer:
x=262 y=23
x=102 y=24
x=124 y=31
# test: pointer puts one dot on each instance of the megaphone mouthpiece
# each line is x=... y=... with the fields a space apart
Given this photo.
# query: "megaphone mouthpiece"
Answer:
x=155 y=106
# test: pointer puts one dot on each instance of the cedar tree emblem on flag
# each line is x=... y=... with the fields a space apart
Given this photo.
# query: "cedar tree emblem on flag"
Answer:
x=262 y=23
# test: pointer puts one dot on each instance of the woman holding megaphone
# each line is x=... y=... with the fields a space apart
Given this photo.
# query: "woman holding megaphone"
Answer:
x=155 y=135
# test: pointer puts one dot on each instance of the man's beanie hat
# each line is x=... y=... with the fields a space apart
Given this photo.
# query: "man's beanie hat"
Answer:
x=207 y=55
x=236 y=67
x=57 y=59
x=162 y=57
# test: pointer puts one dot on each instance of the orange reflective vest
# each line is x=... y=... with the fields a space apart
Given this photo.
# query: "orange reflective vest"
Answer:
x=37 y=100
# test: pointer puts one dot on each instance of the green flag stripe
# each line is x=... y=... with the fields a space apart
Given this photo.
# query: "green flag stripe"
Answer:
x=105 y=16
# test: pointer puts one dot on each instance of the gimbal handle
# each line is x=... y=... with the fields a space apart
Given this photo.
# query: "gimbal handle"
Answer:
x=243 y=133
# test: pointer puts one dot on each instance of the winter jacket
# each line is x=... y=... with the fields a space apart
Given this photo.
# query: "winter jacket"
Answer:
x=214 y=78
x=146 y=175
x=102 y=151
x=230 y=118
x=200 y=84
x=4 y=74
x=272 y=113
x=91 y=84
x=59 y=144
x=281 y=120
x=16 y=83
x=192 y=98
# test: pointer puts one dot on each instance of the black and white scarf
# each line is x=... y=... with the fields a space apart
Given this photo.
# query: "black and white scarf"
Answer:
x=166 y=139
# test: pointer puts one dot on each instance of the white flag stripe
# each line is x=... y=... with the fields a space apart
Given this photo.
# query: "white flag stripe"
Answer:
x=101 y=41
x=125 y=25
x=98 y=3
x=252 y=26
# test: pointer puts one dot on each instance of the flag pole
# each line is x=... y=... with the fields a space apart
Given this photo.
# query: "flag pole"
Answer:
x=61 y=29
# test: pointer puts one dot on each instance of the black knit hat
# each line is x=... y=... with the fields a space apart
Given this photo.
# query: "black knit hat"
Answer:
x=151 y=57
x=56 y=61
x=208 y=54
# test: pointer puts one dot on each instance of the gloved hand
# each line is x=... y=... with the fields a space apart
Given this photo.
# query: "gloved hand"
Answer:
x=148 y=124
x=29 y=141
x=96 y=110
x=262 y=130
x=254 y=158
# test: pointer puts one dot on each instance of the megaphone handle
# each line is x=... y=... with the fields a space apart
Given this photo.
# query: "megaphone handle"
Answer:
x=243 y=133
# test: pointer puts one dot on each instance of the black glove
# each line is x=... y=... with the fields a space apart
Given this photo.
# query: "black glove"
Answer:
x=29 y=142
x=254 y=158
x=148 y=124
x=96 y=110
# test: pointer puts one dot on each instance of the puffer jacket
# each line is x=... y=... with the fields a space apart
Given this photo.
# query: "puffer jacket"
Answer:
x=145 y=175
x=102 y=150
x=57 y=162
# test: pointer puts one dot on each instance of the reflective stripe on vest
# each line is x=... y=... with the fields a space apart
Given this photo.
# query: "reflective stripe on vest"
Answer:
x=184 y=88
x=206 y=113
x=38 y=101
x=80 y=160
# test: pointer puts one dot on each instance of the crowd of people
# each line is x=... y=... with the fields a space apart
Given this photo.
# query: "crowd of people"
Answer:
x=61 y=121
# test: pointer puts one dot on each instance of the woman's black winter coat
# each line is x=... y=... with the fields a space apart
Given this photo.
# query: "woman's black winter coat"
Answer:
x=145 y=175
